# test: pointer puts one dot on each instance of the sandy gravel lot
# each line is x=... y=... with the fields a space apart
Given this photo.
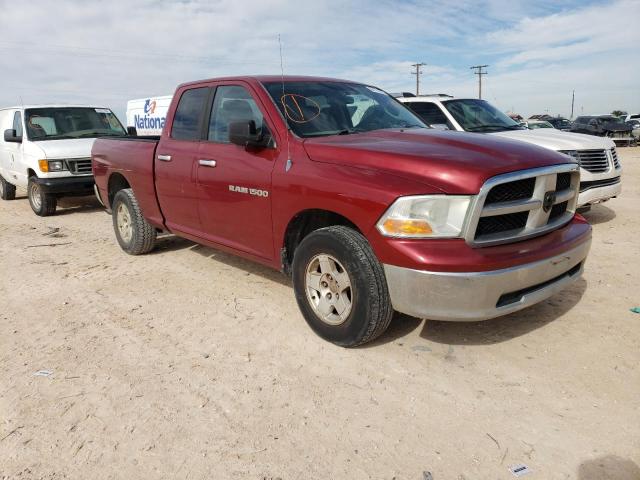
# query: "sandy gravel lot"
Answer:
x=192 y=364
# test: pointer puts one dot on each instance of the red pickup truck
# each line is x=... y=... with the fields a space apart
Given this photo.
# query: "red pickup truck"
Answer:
x=343 y=188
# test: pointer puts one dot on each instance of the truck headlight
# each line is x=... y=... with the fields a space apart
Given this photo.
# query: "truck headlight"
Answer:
x=425 y=216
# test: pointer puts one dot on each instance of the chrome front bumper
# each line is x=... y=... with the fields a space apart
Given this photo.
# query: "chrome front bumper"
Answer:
x=472 y=296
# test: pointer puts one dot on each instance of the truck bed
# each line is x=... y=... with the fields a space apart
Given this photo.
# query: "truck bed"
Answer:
x=135 y=156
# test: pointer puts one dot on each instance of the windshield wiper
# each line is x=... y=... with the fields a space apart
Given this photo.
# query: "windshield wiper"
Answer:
x=102 y=134
x=53 y=137
x=480 y=128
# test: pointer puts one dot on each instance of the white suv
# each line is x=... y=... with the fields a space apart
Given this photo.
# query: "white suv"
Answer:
x=47 y=149
x=600 y=169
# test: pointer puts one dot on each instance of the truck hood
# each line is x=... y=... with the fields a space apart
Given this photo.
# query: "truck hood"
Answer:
x=557 y=140
x=71 y=148
x=452 y=162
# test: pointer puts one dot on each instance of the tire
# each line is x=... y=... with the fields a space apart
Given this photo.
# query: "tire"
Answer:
x=327 y=259
x=43 y=204
x=133 y=232
x=7 y=190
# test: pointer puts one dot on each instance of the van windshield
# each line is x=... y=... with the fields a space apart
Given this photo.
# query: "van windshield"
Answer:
x=316 y=108
x=480 y=116
x=55 y=123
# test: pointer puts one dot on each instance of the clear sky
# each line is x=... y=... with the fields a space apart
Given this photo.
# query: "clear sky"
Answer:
x=105 y=53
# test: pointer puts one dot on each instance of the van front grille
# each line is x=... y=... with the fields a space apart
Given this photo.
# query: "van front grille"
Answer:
x=79 y=166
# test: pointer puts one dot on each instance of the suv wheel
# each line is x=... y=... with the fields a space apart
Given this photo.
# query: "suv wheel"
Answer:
x=43 y=204
x=7 y=190
x=340 y=287
x=135 y=235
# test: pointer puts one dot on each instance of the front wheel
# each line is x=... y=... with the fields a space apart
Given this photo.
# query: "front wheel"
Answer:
x=7 y=190
x=43 y=204
x=135 y=235
x=340 y=286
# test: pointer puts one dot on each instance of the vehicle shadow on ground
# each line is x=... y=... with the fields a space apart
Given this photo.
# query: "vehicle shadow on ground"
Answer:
x=170 y=243
x=69 y=205
x=599 y=214
x=505 y=328
x=609 y=467
x=401 y=325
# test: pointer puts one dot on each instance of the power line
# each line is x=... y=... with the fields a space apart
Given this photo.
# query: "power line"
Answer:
x=480 y=73
x=417 y=73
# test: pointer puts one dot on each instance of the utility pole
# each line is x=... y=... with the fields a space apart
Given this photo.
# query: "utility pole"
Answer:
x=417 y=73
x=573 y=99
x=480 y=73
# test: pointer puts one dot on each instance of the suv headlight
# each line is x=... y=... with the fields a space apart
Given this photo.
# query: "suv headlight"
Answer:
x=572 y=153
x=425 y=216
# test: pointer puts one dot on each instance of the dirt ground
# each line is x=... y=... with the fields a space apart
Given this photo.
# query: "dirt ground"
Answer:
x=192 y=364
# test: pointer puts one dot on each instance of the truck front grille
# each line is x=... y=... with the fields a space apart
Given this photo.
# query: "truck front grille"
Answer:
x=520 y=205
x=594 y=161
x=79 y=166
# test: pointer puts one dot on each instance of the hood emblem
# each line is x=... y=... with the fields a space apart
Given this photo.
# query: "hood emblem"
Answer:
x=549 y=201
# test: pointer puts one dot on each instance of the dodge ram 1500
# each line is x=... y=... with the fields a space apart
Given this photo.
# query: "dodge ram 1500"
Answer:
x=342 y=187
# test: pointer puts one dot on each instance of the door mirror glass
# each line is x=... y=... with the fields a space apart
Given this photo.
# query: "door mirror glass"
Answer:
x=245 y=134
x=132 y=131
x=10 y=135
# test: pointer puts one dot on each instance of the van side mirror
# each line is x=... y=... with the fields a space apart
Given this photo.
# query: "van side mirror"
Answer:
x=10 y=136
x=244 y=134
x=132 y=131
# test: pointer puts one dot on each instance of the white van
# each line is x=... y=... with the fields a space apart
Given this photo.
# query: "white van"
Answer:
x=147 y=115
x=600 y=170
x=47 y=149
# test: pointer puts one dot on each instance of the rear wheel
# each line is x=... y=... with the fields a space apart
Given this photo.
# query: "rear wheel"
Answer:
x=340 y=286
x=135 y=235
x=43 y=204
x=7 y=190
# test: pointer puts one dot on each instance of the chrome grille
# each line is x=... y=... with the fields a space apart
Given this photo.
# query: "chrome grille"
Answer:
x=546 y=200
x=594 y=161
x=79 y=166
x=614 y=157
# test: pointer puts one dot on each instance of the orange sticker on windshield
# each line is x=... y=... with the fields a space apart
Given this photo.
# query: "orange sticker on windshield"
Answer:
x=298 y=108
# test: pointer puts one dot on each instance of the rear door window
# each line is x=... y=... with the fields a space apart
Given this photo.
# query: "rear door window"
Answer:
x=187 y=120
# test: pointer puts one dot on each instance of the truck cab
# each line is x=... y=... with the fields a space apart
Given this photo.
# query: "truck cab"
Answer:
x=47 y=150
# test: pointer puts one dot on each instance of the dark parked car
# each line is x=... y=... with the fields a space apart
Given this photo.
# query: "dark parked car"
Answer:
x=560 y=123
x=603 y=126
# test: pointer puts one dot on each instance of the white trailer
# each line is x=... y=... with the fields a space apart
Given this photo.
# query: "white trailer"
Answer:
x=147 y=115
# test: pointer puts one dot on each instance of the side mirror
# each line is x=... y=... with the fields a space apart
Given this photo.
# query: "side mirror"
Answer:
x=132 y=131
x=10 y=136
x=244 y=134
x=440 y=126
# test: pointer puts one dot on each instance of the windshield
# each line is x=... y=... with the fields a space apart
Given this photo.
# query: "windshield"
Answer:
x=56 y=123
x=480 y=116
x=314 y=109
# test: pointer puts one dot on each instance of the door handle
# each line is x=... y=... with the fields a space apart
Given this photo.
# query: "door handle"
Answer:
x=164 y=158
x=207 y=163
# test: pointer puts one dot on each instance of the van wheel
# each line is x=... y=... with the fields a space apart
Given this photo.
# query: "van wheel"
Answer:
x=7 y=190
x=133 y=232
x=43 y=204
x=340 y=286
